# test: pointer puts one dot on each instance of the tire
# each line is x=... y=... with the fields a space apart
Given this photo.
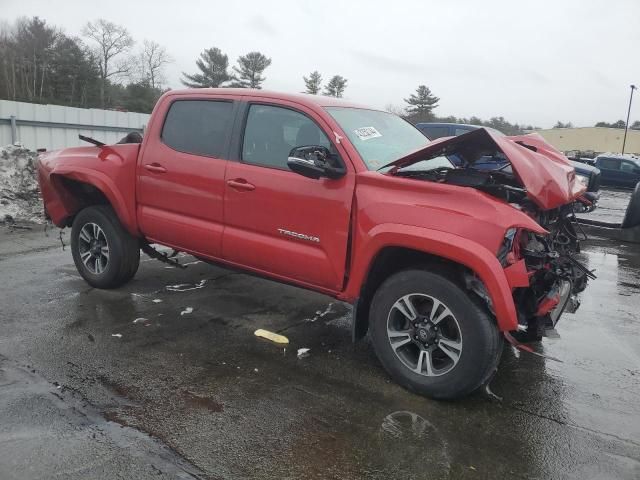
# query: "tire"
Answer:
x=95 y=228
x=463 y=328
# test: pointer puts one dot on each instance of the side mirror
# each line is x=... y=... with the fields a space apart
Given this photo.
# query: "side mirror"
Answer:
x=314 y=161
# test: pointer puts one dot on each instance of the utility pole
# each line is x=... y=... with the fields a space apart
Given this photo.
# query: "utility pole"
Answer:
x=626 y=127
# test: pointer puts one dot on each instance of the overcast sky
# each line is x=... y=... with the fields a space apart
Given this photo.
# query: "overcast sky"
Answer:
x=532 y=62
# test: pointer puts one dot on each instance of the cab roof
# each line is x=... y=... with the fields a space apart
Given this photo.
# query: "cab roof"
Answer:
x=302 y=98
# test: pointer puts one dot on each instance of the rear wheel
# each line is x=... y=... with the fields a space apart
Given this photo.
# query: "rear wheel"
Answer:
x=104 y=253
x=431 y=336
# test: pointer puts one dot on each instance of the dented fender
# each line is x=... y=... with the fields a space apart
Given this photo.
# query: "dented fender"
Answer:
x=109 y=169
x=442 y=244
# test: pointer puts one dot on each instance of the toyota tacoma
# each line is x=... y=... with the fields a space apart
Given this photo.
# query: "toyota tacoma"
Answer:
x=440 y=261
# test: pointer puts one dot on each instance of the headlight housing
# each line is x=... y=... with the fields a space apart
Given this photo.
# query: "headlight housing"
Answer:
x=583 y=179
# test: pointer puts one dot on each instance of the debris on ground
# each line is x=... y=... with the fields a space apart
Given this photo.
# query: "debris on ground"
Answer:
x=274 y=337
x=117 y=335
x=19 y=192
x=321 y=313
x=144 y=321
x=186 y=311
x=185 y=287
x=303 y=352
x=157 y=300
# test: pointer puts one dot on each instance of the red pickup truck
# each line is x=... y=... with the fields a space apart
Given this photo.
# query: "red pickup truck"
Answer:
x=439 y=261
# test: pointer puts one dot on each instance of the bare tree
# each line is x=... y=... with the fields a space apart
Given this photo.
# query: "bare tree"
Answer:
x=152 y=61
x=113 y=41
x=395 y=109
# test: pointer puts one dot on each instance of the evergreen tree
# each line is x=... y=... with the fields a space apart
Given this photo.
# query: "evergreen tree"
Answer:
x=335 y=87
x=73 y=79
x=421 y=104
x=213 y=65
x=250 y=69
x=140 y=97
x=313 y=83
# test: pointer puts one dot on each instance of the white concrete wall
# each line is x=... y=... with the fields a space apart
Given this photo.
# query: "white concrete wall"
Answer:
x=597 y=139
x=60 y=126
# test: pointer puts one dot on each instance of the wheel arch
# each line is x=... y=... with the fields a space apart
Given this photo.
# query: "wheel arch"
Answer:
x=401 y=247
x=79 y=189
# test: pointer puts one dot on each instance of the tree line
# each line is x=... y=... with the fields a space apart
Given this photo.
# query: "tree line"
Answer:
x=420 y=106
x=102 y=68
x=105 y=67
x=213 y=71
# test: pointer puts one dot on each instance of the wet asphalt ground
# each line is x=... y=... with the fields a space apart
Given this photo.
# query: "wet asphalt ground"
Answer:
x=132 y=383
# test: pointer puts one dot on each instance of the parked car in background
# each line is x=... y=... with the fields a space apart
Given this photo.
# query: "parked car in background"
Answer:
x=586 y=174
x=619 y=170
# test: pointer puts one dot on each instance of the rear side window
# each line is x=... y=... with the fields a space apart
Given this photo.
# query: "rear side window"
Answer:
x=609 y=163
x=199 y=127
x=461 y=131
x=435 y=132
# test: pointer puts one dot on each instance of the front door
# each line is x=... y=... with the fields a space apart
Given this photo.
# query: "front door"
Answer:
x=180 y=175
x=279 y=222
x=630 y=173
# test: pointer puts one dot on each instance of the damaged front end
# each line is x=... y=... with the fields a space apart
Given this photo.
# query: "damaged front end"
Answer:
x=554 y=277
x=538 y=181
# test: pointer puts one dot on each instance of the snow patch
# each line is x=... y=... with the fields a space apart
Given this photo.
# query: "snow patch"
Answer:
x=19 y=192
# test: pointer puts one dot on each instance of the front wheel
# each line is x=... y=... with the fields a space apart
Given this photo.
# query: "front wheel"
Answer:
x=431 y=336
x=105 y=254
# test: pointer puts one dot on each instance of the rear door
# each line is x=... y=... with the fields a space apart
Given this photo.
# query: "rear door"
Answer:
x=279 y=222
x=610 y=170
x=181 y=172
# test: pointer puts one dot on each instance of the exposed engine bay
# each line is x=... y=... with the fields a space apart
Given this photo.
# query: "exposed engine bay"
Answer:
x=555 y=276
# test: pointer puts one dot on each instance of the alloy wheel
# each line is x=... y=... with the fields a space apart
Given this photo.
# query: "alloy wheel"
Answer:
x=424 y=334
x=93 y=248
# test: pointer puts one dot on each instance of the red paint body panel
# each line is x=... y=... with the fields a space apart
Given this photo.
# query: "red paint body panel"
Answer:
x=111 y=169
x=230 y=211
x=282 y=199
x=461 y=224
x=181 y=203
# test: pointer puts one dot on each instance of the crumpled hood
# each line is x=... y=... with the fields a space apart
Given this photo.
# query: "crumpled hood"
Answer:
x=545 y=173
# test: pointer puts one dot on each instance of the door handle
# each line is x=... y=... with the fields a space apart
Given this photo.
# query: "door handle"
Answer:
x=155 y=167
x=241 y=184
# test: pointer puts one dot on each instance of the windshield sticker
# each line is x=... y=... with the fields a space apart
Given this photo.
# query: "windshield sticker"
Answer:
x=367 y=133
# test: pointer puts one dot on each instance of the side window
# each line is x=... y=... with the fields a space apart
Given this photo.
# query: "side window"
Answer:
x=461 y=131
x=626 y=166
x=435 y=132
x=271 y=132
x=198 y=126
x=610 y=164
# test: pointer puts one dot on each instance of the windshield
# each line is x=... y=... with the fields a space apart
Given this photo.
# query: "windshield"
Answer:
x=379 y=137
